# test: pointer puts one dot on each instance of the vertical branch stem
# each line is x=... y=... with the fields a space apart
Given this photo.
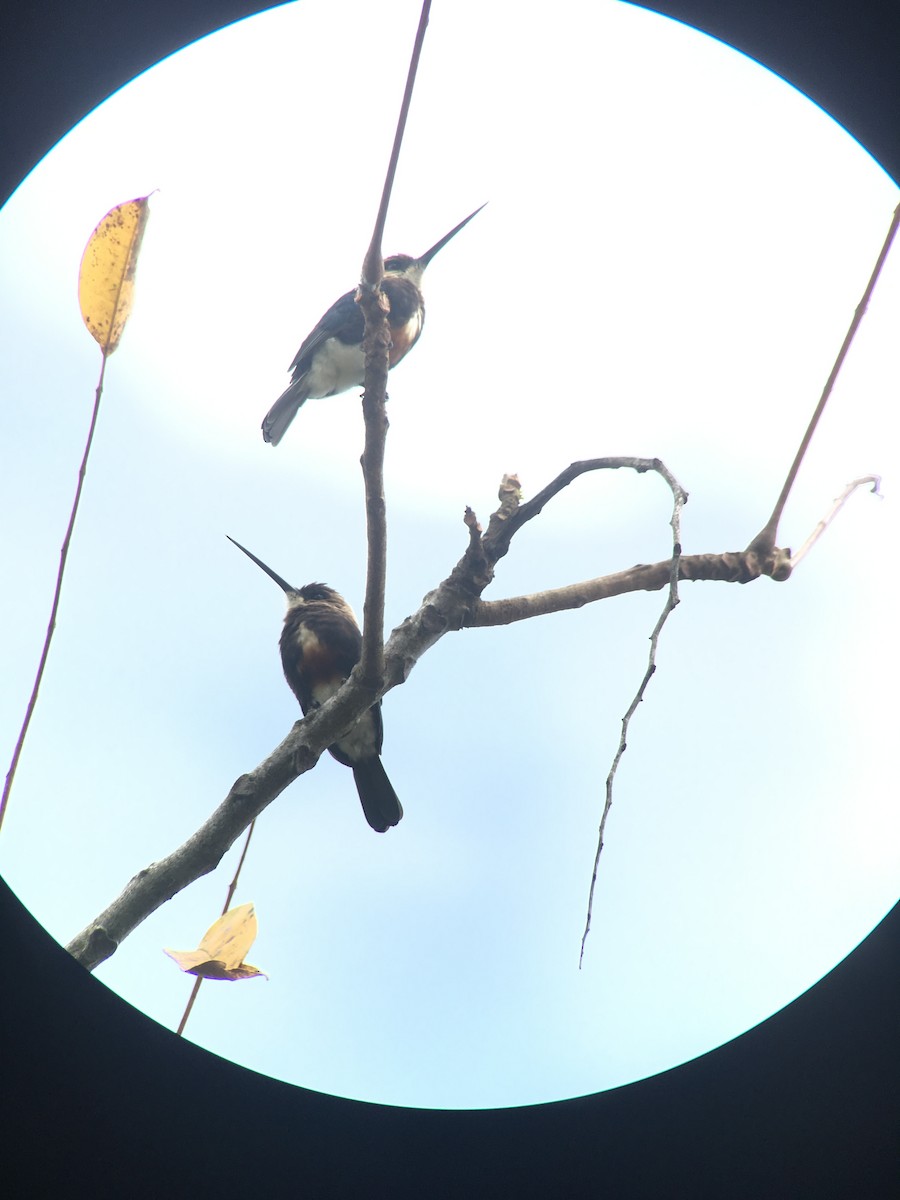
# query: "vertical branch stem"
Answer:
x=377 y=346
x=376 y=422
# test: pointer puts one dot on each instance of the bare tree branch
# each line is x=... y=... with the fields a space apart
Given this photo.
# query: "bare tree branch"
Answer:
x=453 y=604
x=203 y=851
x=509 y=520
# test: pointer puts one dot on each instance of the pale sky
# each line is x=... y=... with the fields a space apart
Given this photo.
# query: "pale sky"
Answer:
x=674 y=245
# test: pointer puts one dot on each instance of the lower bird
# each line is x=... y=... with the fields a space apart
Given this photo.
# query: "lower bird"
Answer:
x=320 y=645
x=331 y=359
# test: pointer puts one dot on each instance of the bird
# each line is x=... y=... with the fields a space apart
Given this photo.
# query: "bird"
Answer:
x=331 y=359
x=320 y=645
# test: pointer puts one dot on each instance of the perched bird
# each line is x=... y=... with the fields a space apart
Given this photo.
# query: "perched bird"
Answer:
x=331 y=358
x=320 y=645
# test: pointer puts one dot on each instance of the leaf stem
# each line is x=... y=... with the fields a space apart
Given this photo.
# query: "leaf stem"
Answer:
x=51 y=624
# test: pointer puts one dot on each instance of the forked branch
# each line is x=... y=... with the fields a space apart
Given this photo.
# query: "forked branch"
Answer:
x=453 y=604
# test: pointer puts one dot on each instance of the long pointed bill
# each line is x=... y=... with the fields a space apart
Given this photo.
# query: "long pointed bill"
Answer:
x=426 y=258
x=285 y=587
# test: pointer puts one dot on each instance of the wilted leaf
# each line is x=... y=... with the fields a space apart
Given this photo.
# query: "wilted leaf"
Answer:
x=220 y=954
x=106 y=279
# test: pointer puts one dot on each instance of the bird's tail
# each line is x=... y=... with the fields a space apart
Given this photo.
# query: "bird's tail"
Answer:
x=283 y=411
x=377 y=796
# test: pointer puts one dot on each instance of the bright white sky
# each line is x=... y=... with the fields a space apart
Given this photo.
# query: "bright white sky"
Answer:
x=674 y=246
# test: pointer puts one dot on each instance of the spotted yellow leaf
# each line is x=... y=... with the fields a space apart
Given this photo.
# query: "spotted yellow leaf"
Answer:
x=106 y=279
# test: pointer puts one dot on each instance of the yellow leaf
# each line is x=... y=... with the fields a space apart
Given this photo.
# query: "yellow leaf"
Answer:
x=106 y=279
x=222 y=948
x=189 y=960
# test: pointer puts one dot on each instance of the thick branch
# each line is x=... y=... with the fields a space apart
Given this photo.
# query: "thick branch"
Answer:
x=203 y=851
x=739 y=566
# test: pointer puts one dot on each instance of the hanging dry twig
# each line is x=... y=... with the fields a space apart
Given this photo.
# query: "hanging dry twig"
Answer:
x=680 y=499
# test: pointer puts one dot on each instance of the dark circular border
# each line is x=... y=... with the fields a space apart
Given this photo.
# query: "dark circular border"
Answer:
x=97 y=1099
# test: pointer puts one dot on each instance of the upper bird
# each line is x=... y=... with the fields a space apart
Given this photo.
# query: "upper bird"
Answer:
x=320 y=645
x=331 y=359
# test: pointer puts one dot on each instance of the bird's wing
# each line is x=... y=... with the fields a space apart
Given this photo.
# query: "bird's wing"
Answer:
x=344 y=320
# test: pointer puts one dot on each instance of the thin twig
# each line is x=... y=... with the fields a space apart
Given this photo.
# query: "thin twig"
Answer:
x=51 y=624
x=764 y=542
x=836 y=507
x=232 y=888
x=501 y=532
x=670 y=605
x=373 y=264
